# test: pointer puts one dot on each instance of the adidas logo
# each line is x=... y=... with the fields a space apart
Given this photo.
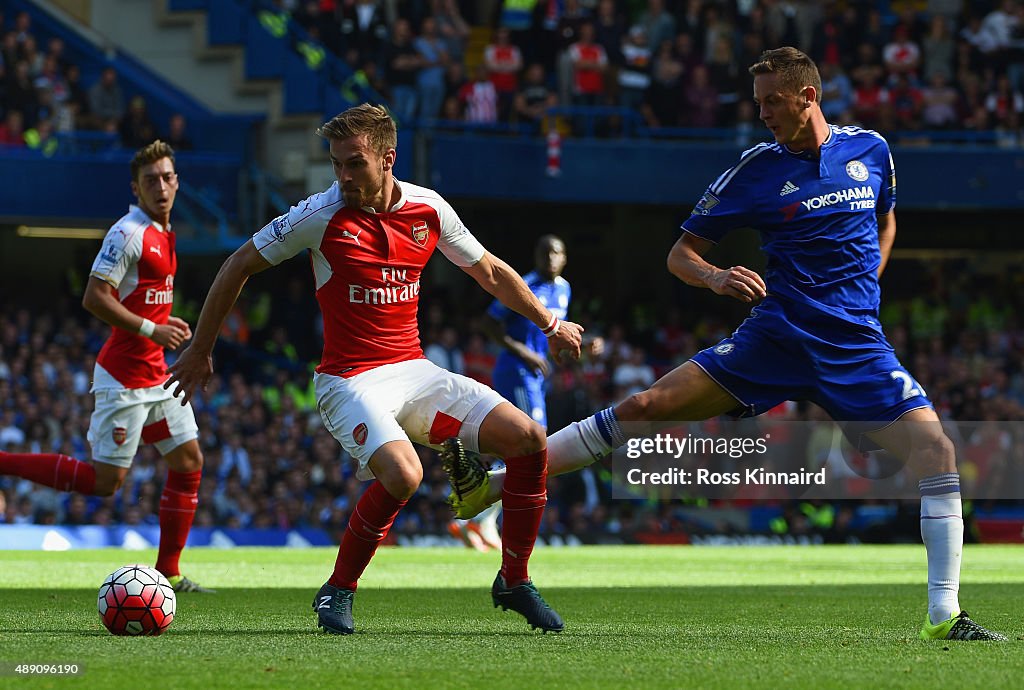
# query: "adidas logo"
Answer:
x=788 y=188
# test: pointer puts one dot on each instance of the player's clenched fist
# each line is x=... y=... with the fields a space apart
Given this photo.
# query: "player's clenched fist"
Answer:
x=567 y=338
x=738 y=282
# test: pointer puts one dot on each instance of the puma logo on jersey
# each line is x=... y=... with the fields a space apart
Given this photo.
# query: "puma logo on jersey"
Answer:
x=156 y=250
x=348 y=235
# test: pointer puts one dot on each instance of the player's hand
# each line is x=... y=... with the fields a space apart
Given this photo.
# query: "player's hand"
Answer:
x=567 y=338
x=171 y=334
x=739 y=283
x=180 y=323
x=192 y=370
x=538 y=364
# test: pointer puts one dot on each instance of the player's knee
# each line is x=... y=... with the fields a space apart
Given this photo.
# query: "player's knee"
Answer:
x=403 y=482
x=639 y=407
x=529 y=438
x=935 y=454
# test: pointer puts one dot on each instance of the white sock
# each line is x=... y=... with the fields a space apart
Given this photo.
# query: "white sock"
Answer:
x=942 y=530
x=576 y=446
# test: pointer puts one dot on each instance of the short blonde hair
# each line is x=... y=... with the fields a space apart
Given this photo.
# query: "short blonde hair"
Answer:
x=794 y=68
x=150 y=154
x=372 y=120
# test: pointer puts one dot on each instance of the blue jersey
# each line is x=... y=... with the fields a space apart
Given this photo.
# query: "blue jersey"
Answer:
x=816 y=335
x=513 y=379
x=817 y=218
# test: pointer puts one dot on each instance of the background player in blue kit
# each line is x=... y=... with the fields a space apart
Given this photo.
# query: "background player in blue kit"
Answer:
x=522 y=367
x=822 y=198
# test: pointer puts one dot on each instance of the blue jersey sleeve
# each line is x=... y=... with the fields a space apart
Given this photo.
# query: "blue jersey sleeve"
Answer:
x=726 y=205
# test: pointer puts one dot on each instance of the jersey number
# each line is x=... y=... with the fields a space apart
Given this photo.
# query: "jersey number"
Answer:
x=910 y=386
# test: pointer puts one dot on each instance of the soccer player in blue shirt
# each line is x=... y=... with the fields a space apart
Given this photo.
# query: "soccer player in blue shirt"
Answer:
x=522 y=368
x=822 y=198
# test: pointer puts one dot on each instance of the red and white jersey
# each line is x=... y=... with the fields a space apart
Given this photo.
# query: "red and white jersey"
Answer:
x=137 y=259
x=367 y=269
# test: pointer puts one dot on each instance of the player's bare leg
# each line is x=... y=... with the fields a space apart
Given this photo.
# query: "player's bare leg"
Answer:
x=178 y=503
x=917 y=438
x=510 y=434
x=399 y=472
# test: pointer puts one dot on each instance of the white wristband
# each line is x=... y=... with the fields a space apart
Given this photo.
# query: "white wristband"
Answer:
x=552 y=327
x=147 y=328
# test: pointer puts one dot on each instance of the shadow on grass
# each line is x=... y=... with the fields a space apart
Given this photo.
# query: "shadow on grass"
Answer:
x=468 y=613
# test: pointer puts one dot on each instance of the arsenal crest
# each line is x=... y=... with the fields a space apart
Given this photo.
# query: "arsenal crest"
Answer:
x=420 y=232
x=120 y=435
x=359 y=433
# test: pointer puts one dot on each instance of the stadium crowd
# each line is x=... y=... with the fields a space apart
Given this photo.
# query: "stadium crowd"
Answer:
x=899 y=65
x=270 y=462
x=43 y=95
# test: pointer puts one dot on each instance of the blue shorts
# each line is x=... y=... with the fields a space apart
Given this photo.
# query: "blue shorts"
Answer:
x=787 y=351
x=524 y=389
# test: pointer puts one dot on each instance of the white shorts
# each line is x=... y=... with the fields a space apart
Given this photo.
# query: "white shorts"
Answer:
x=125 y=418
x=409 y=401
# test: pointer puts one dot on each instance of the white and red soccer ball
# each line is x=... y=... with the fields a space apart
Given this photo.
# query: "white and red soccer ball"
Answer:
x=136 y=600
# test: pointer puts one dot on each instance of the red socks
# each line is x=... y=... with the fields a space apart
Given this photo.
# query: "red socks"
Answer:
x=522 y=499
x=369 y=525
x=50 y=469
x=177 y=508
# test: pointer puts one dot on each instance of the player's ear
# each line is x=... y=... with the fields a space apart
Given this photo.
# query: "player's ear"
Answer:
x=389 y=160
x=810 y=96
x=135 y=188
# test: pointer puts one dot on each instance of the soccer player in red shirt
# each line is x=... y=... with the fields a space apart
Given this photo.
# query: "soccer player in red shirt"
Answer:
x=131 y=288
x=369 y=236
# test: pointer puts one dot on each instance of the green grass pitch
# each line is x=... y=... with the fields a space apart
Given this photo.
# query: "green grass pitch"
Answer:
x=636 y=617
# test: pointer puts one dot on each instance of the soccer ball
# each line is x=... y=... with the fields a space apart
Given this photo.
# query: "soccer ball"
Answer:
x=136 y=600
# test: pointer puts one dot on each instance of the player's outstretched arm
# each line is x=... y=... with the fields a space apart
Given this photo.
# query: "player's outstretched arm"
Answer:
x=686 y=262
x=499 y=279
x=195 y=365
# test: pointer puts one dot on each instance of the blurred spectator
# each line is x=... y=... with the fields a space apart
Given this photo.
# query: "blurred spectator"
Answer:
x=177 y=137
x=635 y=74
x=445 y=351
x=78 y=97
x=1004 y=105
x=700 y=100
x=938 y=50
x=106 y=100
x=589 y=63
x=610 y=30
x=430 y=78
x=21 y=93
x=633 y=376
x=504 y=61
x=662 y=104
x=836 y=92
x=12 y=131
x=658 y=24
x=41 y=138
x=364 y=29
x=535 y=97
x=479 y=98
x=901 y=55
x=451 y=27
x=906 y=102
x=403 y=65
x=939 y=103
x=136 y=128
x=724 y=74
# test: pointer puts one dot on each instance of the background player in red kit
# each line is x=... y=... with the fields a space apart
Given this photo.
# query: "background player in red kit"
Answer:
x=369 y=236
x=131 y=288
